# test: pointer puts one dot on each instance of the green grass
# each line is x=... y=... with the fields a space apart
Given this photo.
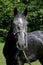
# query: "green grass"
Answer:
x=2 y=59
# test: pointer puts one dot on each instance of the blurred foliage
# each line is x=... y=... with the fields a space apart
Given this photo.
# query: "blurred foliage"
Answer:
x=34 y=15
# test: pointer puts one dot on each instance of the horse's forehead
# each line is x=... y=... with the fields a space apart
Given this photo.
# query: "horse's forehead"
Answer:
x=20 y=20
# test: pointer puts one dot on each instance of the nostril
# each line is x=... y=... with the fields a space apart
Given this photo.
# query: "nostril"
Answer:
x=24 y=44
x=18 y=45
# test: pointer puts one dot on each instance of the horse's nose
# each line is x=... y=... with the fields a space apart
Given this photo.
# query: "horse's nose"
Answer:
x=22 y=46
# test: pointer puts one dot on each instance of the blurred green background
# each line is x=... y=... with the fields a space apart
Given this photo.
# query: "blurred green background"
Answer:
x=34 y=17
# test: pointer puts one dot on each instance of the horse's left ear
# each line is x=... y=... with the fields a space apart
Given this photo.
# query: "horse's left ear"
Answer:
x=15 y=11
x=25 y=11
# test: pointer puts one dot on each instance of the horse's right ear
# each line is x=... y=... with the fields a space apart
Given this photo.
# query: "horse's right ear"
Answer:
x=25 y=11
x=15 y=11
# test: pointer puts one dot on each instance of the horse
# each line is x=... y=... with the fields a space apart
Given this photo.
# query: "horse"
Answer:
x=22 y=47
x=16 y=32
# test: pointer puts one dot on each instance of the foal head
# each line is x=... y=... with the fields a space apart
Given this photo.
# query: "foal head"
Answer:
x=19 y=28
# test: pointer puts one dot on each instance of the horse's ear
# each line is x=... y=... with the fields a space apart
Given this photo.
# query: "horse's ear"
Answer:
x=15 y=11
x=25 y=11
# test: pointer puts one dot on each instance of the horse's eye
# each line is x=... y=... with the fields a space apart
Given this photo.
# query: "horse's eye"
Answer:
x=18 y=27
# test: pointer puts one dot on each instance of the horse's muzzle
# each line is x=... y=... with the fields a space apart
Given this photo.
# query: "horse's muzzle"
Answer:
x=21 y=47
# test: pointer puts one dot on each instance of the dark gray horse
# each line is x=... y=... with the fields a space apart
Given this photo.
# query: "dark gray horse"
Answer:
x=18 y=41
